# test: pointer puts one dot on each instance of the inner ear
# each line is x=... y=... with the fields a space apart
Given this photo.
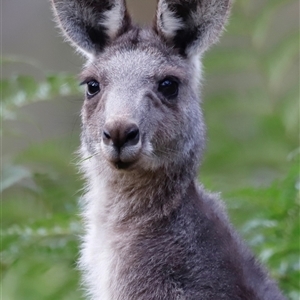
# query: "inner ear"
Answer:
x=91 y=25
x=191 y=25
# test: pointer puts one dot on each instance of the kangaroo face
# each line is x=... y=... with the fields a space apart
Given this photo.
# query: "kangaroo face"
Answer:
x=141 y=107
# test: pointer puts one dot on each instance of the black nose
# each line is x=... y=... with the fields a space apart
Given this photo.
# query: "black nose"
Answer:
x=121 y=135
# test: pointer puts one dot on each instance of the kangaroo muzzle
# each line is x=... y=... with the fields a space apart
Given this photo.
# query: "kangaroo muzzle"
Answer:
x=121 y=142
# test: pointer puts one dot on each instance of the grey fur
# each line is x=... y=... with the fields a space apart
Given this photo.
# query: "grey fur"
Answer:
x=151 y=231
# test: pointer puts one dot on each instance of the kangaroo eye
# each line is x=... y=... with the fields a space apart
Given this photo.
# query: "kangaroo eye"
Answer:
x=168 y=87
x=93 y=88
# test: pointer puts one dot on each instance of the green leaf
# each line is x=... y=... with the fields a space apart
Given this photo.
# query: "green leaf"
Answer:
x=279 y=60
x=13 y=174
x=22 y=90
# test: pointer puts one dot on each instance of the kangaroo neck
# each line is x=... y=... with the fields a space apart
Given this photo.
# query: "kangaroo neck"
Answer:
x=141 y=196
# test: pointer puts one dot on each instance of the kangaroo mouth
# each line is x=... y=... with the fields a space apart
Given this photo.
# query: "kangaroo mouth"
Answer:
x=120 y=165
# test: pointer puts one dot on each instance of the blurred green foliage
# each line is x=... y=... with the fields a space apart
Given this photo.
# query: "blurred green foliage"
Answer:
x=252 y=156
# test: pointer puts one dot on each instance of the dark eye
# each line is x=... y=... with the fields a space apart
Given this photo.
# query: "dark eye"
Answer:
x=93 y=88
x=168 y=87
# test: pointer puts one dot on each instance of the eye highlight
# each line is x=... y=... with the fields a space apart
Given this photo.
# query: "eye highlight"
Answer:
x=168 y=87
x=93 y=88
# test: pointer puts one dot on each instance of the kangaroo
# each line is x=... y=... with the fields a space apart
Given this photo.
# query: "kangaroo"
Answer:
x=152 y=232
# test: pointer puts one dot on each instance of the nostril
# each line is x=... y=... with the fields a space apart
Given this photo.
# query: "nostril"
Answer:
x=106 y=136
x=133 y=134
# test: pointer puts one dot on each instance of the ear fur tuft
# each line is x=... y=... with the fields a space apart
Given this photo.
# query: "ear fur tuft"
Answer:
x=90 y=25
x=192 y=26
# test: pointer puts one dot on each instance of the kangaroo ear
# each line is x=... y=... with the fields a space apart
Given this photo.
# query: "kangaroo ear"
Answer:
x=90 y=25
x=191 y=25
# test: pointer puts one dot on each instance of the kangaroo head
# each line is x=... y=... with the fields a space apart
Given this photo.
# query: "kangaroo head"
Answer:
x=141 y=109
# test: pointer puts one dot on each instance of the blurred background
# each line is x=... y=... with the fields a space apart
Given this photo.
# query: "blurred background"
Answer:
x=250 y=97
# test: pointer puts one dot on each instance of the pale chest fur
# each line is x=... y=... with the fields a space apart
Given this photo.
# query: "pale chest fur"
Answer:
x=97 y=254
x=97 y=261
x=102 y=246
